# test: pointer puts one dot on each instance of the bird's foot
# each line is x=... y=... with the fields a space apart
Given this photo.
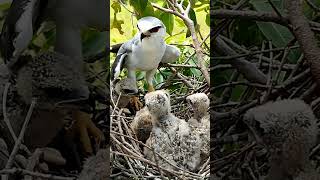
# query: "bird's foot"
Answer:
x=135 y=103
x=85 y=127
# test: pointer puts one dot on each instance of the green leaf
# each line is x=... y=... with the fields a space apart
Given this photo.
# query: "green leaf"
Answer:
x=116 y=7
x=193 y=16
x=139 y=5
x=158 y=78
x=278 y=34
x=168 y=21
x=148 y=11
x=95 y=42
x=117 y=24
x=196 y=72
x=208 y=19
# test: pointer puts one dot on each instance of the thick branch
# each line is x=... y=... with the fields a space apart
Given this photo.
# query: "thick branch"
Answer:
x=305 y=36
x=249 y=70
x=256 y=16
x=249 y=15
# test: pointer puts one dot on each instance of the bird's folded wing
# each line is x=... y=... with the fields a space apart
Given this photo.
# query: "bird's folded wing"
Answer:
x=171 y=54
x=23 y=19
x=119 y=62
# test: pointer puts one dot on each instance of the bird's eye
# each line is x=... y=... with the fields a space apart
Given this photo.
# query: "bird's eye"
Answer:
x=155 y=29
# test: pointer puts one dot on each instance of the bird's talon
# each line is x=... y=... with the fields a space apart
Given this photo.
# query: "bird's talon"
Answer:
x=86 y=127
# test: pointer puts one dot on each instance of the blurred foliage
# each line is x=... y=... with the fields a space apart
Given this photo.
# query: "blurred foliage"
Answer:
x=124 y=15
x=252 y=34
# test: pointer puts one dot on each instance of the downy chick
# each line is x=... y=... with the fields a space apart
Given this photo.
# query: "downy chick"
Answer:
x=200 y=121
x=171 y=137
x=288 y=130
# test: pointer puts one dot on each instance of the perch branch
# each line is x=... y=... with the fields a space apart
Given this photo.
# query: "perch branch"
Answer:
x=305 y=36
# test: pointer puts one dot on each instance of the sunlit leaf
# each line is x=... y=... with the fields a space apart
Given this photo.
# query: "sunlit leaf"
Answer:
x=168 y=21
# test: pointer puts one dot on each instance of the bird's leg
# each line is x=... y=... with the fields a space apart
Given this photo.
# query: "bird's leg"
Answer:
x=134 y=101
x=149 y=77
x=68 y=41
x=150 y=88
x=85 y=127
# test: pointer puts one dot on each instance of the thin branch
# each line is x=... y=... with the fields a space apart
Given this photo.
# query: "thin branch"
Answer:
x=256 y=16
x=183 y=14
x=34 y=174
x=20 y=138
x=4 y=111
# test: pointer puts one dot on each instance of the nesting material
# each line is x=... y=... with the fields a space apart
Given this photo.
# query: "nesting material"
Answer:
x=171 y=137
x=288 y=129
x=200 y=120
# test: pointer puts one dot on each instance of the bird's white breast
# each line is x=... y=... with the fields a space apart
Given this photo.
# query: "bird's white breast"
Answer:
x=146 y=55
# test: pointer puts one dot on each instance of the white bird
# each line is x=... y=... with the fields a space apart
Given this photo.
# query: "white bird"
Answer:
x=145 y=51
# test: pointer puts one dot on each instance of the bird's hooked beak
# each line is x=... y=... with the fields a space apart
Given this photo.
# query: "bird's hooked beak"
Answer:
x=148 y=30
x=145 y=34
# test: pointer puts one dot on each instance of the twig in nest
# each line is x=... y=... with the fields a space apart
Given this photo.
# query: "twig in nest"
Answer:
x=20 y=138
x=34 y=174
x=4 y=111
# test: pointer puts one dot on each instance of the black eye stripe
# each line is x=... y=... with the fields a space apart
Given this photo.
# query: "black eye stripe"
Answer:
x=155 y=29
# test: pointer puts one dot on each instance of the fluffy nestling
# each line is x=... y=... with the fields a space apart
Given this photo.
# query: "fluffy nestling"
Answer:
x=289 y=130
x=97 y=167
x=142 y=124
x=200 y=120
x=171 y=137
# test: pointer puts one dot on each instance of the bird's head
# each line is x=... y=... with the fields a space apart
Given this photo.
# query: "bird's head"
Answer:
x=158 y=103
x=199 y=104
x=151 y=27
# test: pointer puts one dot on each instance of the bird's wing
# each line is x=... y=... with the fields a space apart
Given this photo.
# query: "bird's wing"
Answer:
x=23 y=19
x=171 y=54
x=119 y=62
